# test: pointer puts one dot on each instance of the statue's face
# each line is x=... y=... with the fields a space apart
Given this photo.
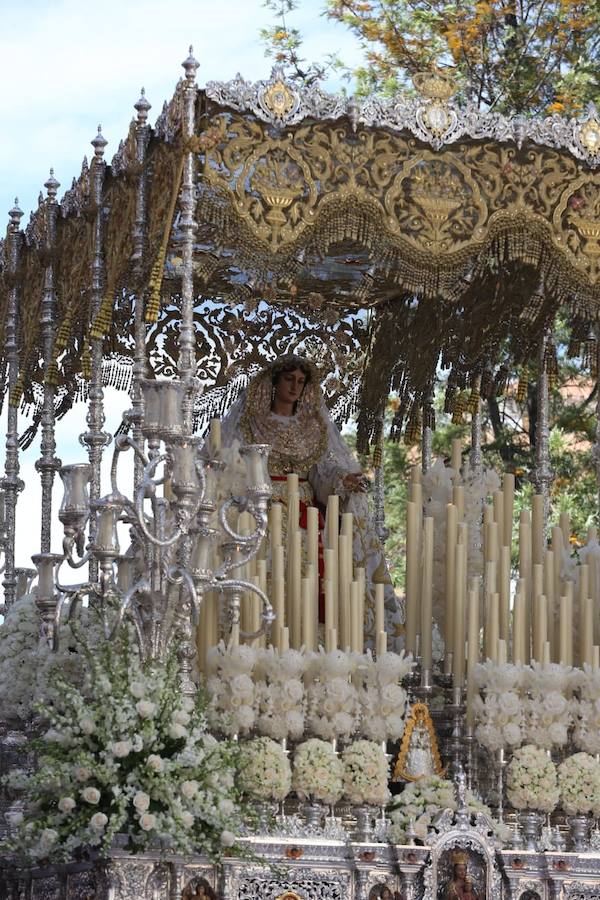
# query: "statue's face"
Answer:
x=289 y=386
x=460 y=870
x=386 y=894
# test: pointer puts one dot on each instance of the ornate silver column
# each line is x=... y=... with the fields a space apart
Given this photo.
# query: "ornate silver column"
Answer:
x=95 y=439
x=427 y=433
x=475 y=452
x=186 y=363
x=142 y=136
x=48 y=464
x=543 y=476
x=596 y=449
x=11 y=483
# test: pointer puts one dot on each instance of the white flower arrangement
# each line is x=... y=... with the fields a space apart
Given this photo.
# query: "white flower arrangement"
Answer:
x=333 y=703
x=154 y=774
x=499 y=720
x=317 y=772
x=417 y=806
x=280 y=694
x=365 y=774
x=233 y=703
x=586 y=710
x=381 y=696
x=22 y=651
x=421 y=802
x=579 y=784
x=531 y=780
x=265 y=772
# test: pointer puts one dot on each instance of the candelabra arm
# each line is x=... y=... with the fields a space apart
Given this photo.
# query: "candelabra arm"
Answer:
x=71 y=588
x=179 y=575
x=246 y=540
x=141 y=495
x=123 y=443
x=69 y=602
x=69 y=541
x=125 y=606
x=240 y=586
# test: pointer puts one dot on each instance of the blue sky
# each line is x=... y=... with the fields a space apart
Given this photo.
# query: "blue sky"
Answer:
x=66 y=66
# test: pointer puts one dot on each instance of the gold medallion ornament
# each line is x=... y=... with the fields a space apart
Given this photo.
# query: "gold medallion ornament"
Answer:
x=435 y=85
x=419 y=755
x=278 y=99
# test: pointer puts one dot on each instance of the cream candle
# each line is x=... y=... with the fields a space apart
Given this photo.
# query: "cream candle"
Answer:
x=427 y=592
x=451 y=538
x=458 y=650
x=538 y=544
x=472 y=651
x=276 y=525
x=458 y=499
x=504 y=587
x=586 y=624
x=565 y=526
x=520 y=634
x=509 y=504
x=215 y=437
x=412 y=576
x=456 y=456
x=379 y=608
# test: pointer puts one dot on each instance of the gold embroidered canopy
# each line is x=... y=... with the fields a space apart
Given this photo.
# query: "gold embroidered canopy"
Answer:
x=381 y=238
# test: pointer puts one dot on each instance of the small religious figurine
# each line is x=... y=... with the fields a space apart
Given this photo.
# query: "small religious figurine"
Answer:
x=283 y=406
x=461 y=885
x=202 y=891
x=419 y=754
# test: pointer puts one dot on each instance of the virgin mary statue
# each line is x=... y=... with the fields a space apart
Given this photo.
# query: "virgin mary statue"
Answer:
x=283 y=406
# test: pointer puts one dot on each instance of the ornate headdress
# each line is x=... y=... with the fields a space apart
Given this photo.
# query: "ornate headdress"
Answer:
x=460 y=858
x=295 y=445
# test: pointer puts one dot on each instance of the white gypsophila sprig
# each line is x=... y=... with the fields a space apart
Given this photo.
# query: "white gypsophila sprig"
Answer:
x=579 y=784
x=531 y=780
x=317 y=772
x=130 y=756
x=265 y=772
x=365 y=774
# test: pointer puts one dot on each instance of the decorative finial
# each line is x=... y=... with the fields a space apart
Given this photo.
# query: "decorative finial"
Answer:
x=15 y=214
x=99 y=143
x=190 y=65
x=52 y=186
x=142 y=107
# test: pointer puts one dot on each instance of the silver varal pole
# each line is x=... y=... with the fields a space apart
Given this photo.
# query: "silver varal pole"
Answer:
x=95 y=439
x=186 y=363
x=142 y=136
x=48 y=464
x=11 y=483
x=543 y=475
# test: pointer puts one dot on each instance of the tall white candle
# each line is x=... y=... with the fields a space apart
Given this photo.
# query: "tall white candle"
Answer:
x=509 y=503
x=379 y=608
x=472 y=652
x=412 y=576
x=538 y=544
x=504 y=587
x=458 y=499
x=458 y=655
x=275 y=524
x=451 y=537
x=456 y=456
x=427 y=592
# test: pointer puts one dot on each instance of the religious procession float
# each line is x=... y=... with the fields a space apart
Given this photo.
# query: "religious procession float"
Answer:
x=212 y=688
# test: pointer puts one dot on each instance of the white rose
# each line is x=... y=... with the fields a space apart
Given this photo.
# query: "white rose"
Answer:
x=180 y=717
x=66 y=804
x=87 y=725
x=188 y=704
x=189 y=789
x=147 y=821
x=121 y=749
x=91 y=795
x=98 y=822
x=48 y=838
x=177 y=731
x=81 y=773
x=141 y=801
x=226 y=807
x=227 y=838
x=137 y=689
x=155 y=762
x=145 y=709
x=187 y=819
